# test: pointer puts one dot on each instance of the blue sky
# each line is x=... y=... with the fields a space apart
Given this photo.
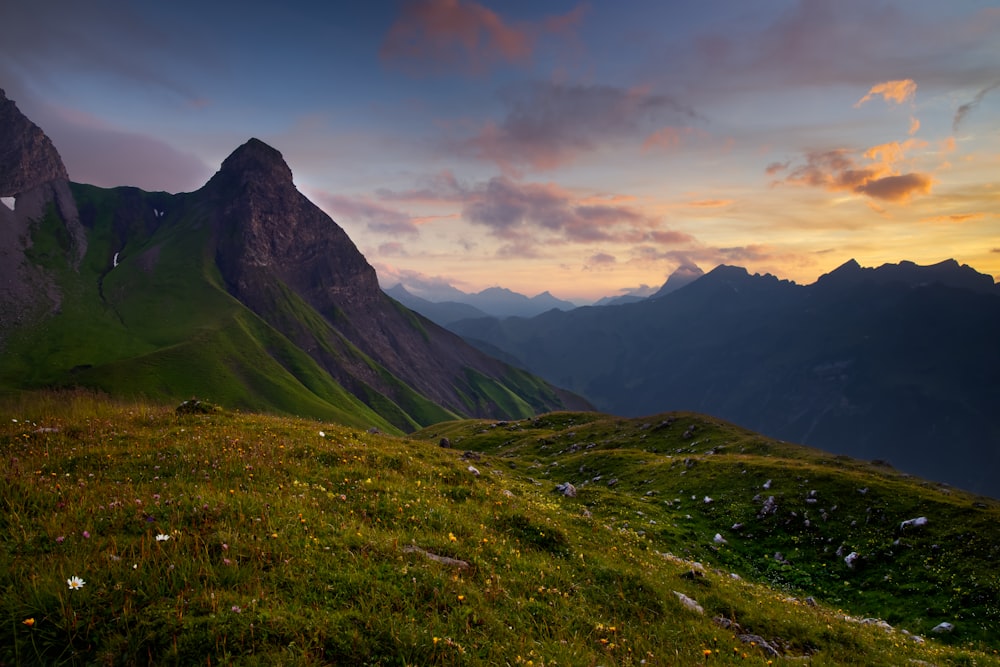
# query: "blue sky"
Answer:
x=584 y=148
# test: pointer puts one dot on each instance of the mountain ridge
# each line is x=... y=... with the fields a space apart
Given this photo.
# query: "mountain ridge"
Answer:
x=244 y=289
x=880 y=369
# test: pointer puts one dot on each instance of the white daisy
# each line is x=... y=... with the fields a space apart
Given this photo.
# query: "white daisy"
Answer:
x=75 y=583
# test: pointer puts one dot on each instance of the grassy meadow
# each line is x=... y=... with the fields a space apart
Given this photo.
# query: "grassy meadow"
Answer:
x=236 y=538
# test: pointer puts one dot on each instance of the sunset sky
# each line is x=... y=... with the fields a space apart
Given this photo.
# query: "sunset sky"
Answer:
x=584 y=148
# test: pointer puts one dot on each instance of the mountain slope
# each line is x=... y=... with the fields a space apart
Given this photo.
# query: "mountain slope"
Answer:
x=243 y=292
x=246 y=539
x=876 y=365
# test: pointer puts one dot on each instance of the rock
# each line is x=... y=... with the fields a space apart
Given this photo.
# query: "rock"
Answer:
x=942 y=628
x=767 y=484
x=29 y=158
x=444 y=442
x=851 y=559
x=770 y=507
x=707 y=500
x=811 y=601
x=566 y=489
x=913 y=523
x=689 y=603
x=759 y=641
x=737 y=526
x=196 y=407
x=471 y=456
x=719 y=539
x=473 y=470
x=727 y=624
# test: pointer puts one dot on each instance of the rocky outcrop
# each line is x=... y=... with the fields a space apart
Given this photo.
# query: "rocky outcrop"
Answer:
x=33 y=174
x=273 y=245
x=27 y=157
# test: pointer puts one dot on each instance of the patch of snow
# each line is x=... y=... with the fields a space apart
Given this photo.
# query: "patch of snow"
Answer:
x=114 y=261
x=913 y=523
x=8 y=202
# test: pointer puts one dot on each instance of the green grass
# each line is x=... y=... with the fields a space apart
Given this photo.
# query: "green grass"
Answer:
x=291 y=546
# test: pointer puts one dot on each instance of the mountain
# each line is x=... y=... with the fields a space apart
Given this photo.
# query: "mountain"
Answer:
x=491 y=302
x=443 y=312
x=898 y=363
x=502 y=302
x=243 y=292
x=683 y=275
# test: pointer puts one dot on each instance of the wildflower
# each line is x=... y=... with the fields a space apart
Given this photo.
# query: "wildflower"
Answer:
x=452 y=538
x=461 y=598
x=225 y=546
x=86 y=535
x=322 y=435
x=30 y=622
x=226 y=561
x=162 y=538
x=75 y=583
x=236 y=609
x=60 y=539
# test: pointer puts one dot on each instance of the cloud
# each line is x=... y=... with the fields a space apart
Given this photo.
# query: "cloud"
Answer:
x=896 y=188
x=669 y=137
x=842 y=170
x=100 y=154
x=451 y=34
x=511 y=210
x=900 y=91
x=955 y=218
x=711 y=203
x=966 y=108
x=376 y=217
x=392 y=249
x=600 y=259
x=550 y=124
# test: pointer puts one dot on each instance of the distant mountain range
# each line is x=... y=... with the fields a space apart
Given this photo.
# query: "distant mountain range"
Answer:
x=491 y=302
x=243 y=293
x=897 y=363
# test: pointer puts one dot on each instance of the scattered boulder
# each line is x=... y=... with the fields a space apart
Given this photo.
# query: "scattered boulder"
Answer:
x=689 y=603
x=770 y=507
x=473 y=470
x=444 y=442
x=719 y=539
x=566 y=489
x=942 y=628
x=913 y=523
x=851 y=559
x=196 y=407
x=759 y=641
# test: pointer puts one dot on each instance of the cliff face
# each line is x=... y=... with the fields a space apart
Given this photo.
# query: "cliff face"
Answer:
x=273 y=244
x=31 y=172
x=27 y=157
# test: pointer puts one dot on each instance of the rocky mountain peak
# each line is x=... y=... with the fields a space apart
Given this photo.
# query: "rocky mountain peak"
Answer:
x=27 y=157
x=256 y=161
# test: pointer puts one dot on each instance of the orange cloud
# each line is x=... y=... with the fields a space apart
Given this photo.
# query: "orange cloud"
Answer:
x=668 y=137
x=914 y=125
x=840 y=170
x=466 y=35
x=891 y=91
x=896 y=188
x=711 y=203
x=956 y=218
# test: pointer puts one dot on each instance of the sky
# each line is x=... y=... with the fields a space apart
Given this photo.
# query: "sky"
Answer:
x=588 y=149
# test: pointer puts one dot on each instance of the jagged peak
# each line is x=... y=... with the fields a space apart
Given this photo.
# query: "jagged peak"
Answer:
x=258 y=160
x=30 y=158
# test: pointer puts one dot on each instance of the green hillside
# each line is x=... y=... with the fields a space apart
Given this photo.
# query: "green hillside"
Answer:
x=246 y=539
x=146 y=315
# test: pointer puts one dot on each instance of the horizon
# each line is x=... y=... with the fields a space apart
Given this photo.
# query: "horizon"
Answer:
x=571 y=148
